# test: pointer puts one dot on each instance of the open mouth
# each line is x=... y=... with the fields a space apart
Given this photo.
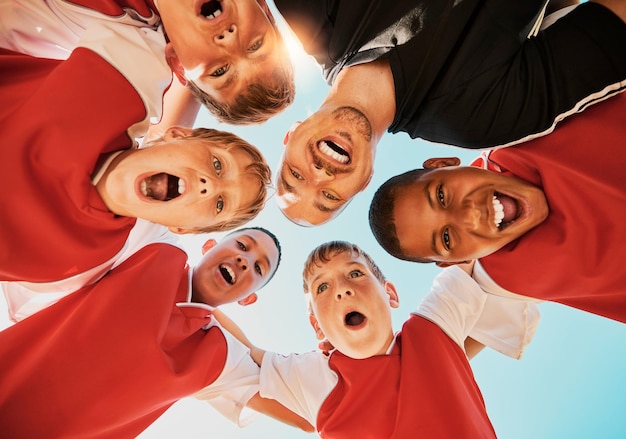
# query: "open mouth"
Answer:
x=228 y=274
x=332 y=150
x=506 y=210
x=162 y=187
x=354 y=319
x=211 y=10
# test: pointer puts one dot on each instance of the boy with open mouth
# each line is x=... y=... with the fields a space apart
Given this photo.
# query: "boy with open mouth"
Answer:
x=77 y=181
x=124 y=349
x=544 y=219
x=229 y=54
x=375 y=383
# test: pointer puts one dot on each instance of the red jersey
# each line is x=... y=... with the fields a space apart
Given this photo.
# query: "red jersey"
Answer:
x=575 y=257
x=107 y=360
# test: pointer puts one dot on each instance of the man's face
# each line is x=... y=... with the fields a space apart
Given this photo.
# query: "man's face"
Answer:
x=185 y=184
x=234 y=268
x=222 y=45
x=454 y=214
x=351 y=306
x=327 y=160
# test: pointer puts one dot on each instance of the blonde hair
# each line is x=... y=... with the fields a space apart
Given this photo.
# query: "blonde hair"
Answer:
x=258 y=168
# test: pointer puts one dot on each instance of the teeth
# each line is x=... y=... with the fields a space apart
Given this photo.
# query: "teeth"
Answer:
x=327 y=150
x=230 y=273
x=144 y=188
x=498 y=212
x=214 y=14
x=181 y=187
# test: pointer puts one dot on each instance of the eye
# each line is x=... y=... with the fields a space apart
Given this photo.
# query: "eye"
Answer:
x=256 y=46
x=219 y=205
x=355 y=273
x=330 y=196
x=257 y=268
x=242 y=246
x=220 y=71
x=217 y=165
x=445 y=237
x=322 y=287
x=295 y=174
x=440 y=196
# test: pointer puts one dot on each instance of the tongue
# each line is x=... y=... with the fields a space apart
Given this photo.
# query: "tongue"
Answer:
x=354 y=319
x=157 y=186
x=510 y=208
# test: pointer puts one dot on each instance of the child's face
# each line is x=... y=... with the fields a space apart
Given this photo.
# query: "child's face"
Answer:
x=222 y=45
x=351 y=306
x=454 y=214
x=235 y=267
x=183 y=184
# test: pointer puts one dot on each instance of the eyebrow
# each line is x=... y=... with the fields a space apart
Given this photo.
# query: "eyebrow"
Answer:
x=229 y=81
x=326 y=209
x=433 y=243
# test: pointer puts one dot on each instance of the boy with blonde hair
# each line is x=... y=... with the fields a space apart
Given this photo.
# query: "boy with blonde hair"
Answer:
x=376 y=383
x=109 y=359
x=228 y=53
x=77 y=182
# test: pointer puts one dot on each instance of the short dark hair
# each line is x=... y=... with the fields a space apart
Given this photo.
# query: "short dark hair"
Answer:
x=381 y=213
x=274 y=238
x=323 y=253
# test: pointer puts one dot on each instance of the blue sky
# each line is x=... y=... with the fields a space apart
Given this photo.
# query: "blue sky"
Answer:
x=570 y=384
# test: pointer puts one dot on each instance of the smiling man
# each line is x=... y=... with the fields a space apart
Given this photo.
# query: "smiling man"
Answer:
x=465 y=73
x=542 y=223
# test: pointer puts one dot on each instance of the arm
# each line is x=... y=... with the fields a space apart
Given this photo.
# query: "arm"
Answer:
x=472 y=347
x=276 y=410
x=180 y=107
x=230 y=326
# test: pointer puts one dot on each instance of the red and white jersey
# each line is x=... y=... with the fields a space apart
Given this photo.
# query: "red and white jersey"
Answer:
x=109 y=359
x=575 y=256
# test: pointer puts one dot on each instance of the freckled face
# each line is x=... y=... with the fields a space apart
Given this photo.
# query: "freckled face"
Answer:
x=223 y=45
x=453 y=214
x=238 y=265
x=352 y=307
x=327 y=160
x=183 y=184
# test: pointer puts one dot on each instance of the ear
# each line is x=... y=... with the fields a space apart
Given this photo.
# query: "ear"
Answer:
x=450 y=264
x=319 y=334
x=172 y=60
x=248 y=300
x=177 y=132
x=181 y=230
x=394 y=300
x=208 y=245
x=290 y=132
x=266 y=10
x=441 y=162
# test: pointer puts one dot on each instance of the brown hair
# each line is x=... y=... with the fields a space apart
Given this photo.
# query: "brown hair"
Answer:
x=259 y=101
x=257 y=168
x=323 y=254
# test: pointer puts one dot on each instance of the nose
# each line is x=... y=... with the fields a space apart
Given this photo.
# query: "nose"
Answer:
x=242 y=262
x=321 y=174
x=469 y=215
x=206 y=185
x=343 y=293
x=228 y=36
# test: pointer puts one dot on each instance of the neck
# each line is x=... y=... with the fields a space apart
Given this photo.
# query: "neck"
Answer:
x=370 y=88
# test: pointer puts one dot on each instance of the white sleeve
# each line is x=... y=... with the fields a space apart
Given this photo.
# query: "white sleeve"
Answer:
x=300 y=382
x=461 y=308
x=238 y=382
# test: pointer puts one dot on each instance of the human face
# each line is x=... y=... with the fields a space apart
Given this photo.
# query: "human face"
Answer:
x=222 y=45
x=183 y=183
x=236 y=267
x=327 y=160
x=454 y=214
x=351 y=306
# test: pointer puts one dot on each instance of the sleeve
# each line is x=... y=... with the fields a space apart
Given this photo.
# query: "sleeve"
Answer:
x=238 y=382
x=462 y=309
x=300 y=382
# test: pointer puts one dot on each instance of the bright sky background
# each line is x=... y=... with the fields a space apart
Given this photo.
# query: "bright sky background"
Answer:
x=570 y=384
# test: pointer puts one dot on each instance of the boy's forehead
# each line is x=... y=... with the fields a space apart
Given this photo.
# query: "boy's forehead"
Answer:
x=343 y=258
